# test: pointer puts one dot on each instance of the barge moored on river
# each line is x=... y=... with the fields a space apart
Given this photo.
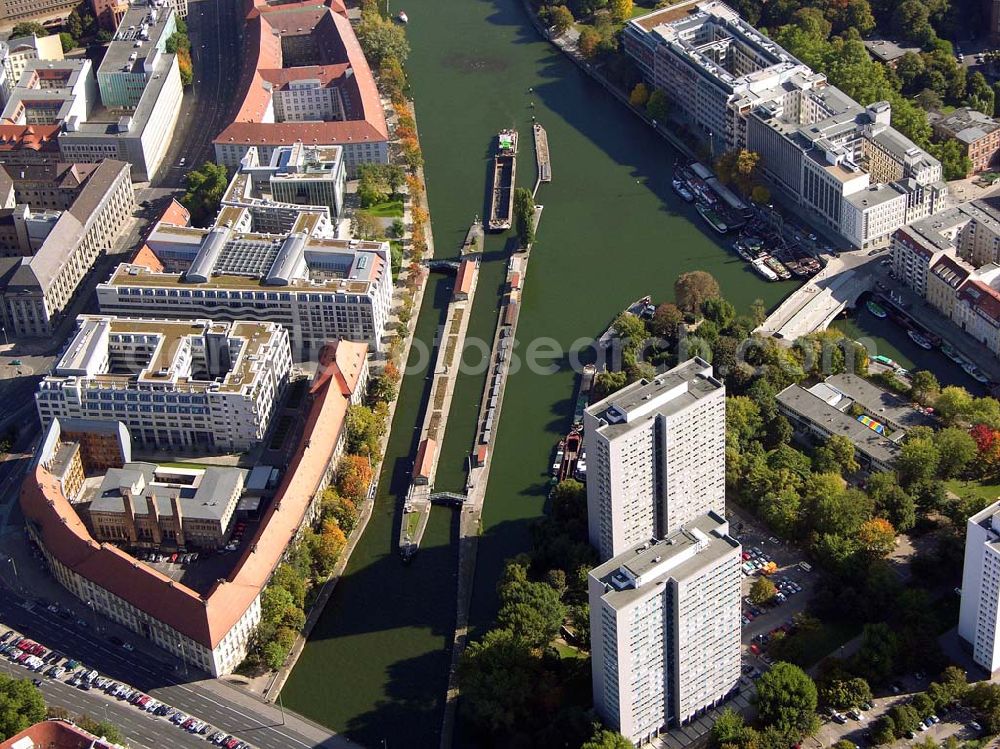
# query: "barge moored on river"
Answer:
x=504 y=171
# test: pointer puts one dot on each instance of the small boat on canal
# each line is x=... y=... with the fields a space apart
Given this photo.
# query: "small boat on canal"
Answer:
x=681 y=190
x=762 y=270
x=876 y=309
x=712 y=218
x=403 y=18
x=572 y=446
x=975 y=373
x=918 y=339
x=948 y=350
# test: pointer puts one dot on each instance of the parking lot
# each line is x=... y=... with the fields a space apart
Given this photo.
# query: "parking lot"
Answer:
x=56 y=673
x=794 y=583
x=958 y=722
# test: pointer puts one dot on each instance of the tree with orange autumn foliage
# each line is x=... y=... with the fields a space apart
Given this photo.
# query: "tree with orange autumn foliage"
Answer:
x=354 y=476
x=877 y=537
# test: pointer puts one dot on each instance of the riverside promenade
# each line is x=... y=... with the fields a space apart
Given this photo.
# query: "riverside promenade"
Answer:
x=450 y=344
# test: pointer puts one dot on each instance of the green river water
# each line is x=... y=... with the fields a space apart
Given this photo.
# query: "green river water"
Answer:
x=612 y=230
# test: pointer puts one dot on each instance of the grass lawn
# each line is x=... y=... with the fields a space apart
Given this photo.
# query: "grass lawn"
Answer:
x=971 y=489
x=412 y=520
x=388 y=209
x=808 y=648
x=567 y=651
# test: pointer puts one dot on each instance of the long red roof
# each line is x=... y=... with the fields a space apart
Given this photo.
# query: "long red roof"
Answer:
x=345 y=67
x=205 y=619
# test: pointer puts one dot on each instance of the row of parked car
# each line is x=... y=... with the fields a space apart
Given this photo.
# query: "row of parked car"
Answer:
x=757 y=561
x=176 y=557
x=37 y=658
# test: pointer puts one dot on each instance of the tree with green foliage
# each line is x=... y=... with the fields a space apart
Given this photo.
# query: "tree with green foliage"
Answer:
x=21 y=705
x=532 y=611
x=605 y=739
x=904 y=718
x=204 y=190
x=380 y=38
x=836 y=456
x=953 y=404
x=846 y=693
x=924 y=387
x=729 y=729
x=28 y=28
x=658 y=106
x=693 y=289
x=786 y=700
x=561 y=19
x=524 y=216
x=917 y=460
x=608 y=382
x=500 y=681
x=100 y=728
x=67 y=41
x=630 y=329
x=876 y=658
x=884 y=731
x=892 y=501
x=762 y=591
x=955 y=164
x=719 y=311
x=956 y=449
x=980 y=94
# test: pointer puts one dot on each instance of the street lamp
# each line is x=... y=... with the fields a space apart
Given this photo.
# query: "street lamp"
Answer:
x=93 y=610
x=17 y=581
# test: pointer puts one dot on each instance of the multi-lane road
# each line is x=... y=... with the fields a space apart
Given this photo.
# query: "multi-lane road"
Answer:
x=141 y=729
x=215 y=29
x=226 y=708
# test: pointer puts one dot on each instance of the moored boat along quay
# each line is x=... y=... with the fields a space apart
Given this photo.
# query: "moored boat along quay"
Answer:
x=501 y=209
x=450 y=344
x=543 y=164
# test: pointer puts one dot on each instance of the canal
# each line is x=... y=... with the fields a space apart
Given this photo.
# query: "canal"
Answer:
x=886 y=338
x=612 y=230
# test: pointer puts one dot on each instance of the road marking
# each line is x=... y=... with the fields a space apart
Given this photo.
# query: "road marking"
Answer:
x=248 y=717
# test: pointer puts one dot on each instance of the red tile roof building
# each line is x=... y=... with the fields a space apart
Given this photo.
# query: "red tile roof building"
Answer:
x=56 y=734
x=212 y=629
x=29 y=144
x=465 y=279
x=305 y=78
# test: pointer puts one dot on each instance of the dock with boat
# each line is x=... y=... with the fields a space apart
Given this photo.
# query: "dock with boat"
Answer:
x=501 y=209
x=450 y=342
x=543 y=164
x=639 y=308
